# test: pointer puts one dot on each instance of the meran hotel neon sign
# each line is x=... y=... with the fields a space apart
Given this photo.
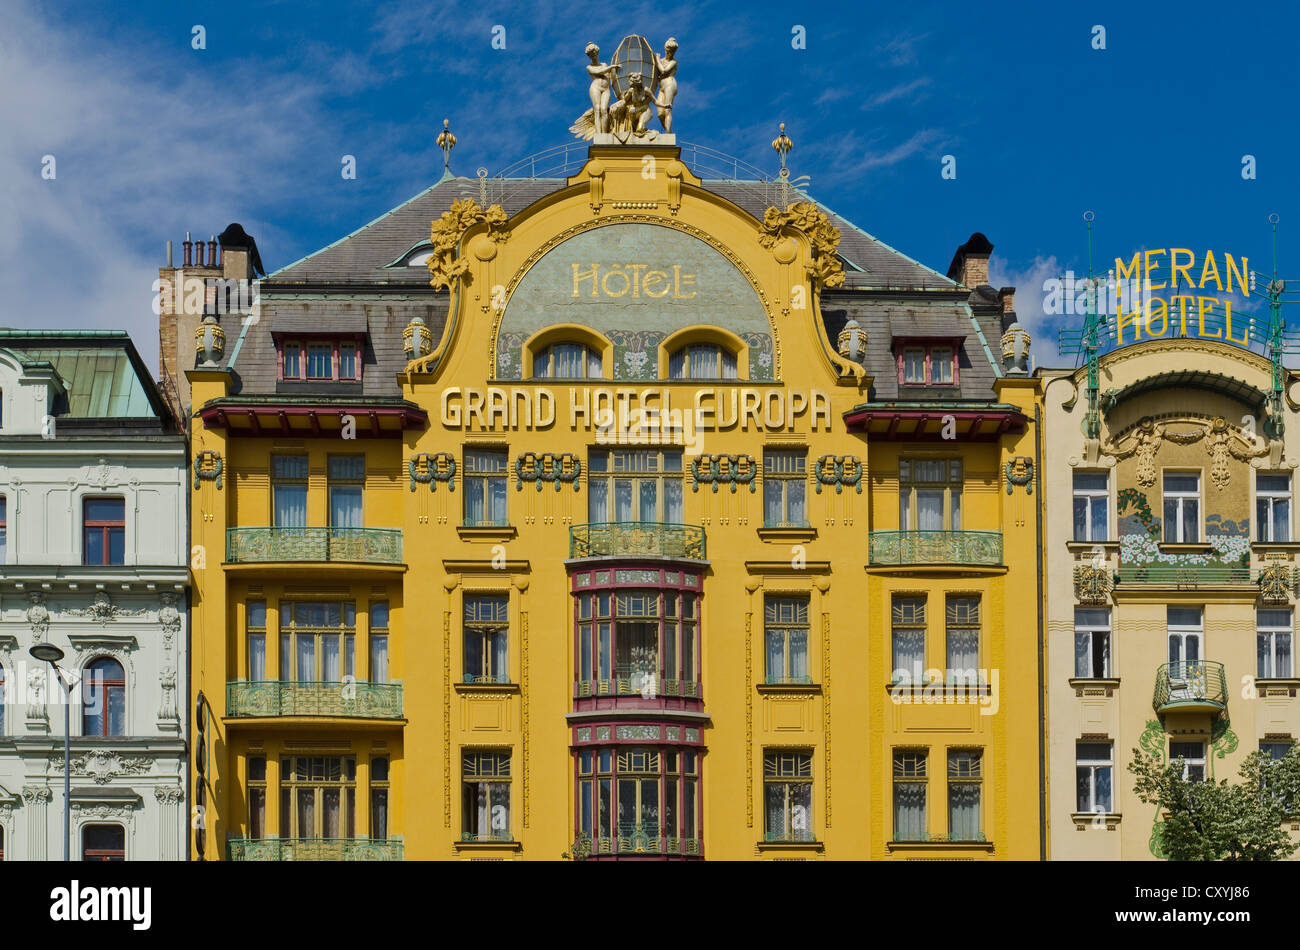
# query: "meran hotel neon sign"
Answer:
x=1155 y=315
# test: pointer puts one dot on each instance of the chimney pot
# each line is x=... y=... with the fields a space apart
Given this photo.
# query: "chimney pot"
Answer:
x=1008 y=295
x=188 y=246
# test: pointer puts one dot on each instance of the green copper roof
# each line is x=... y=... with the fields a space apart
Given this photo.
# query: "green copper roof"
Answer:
x=101 y=383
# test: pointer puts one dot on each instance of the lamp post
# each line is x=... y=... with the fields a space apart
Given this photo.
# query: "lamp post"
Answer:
x=49 y=653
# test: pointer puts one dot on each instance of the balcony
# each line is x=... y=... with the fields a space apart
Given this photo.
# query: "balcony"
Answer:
x=314 y=545
x=637 y=539
x=638 y=685
x=355 y=700
x=633 y=840
x=901 y=548
x=1183 y=575
x=1198 y=686
x=314 y=849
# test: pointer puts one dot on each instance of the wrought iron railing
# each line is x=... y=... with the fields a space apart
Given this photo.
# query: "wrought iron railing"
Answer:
x=1195 y=683
x=790 y=835
x=1183 y=575
x=585 y=846
x=935 y=547
x=486 y=836
x=363 y=545
x=637 y=538
x=480 y=679
x=314 y=849
x=774 y=679
x=285 y=698
x=957 y=837
x=630 y=686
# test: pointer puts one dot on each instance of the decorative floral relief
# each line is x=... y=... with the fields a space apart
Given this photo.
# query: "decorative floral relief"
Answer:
x=634 y=353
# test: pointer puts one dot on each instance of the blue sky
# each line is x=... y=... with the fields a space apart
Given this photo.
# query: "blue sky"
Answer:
x=153 y=138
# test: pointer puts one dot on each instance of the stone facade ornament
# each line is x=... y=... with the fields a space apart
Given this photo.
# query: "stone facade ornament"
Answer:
x=1092 y=583
x=561 y=469
x=1020 y=471
x=209 y=342
x=430 y=469
x=37 y=794
x=102 y=811
x=169 y=618
x=1221 y=442
x=839 y=470
x=207 y=468
x=445 y=264
x=1274 y=580
x=102 y=610
x=168 y=794
x=103 y=765
x=417 y=339
x=38 y=615
x=806 y=218
x=718 y=470
x=625 y=94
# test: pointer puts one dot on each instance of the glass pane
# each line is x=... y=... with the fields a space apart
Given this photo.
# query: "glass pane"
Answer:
x=290 y=506
x=964 y=811
x=345 y=507
x=1103 y=788
x=1264 y=654
x=257 y=657
x=116 y=545
x=473 y=653
x=1281 y=519
x=799 y=654
x=105 y=509
x=673 y=500
x=499 y=793
x=623 y=500
x=1191 y=521
x=307 y=813
x=775 y=655
x=94 y=553
x=331 y=813
x=1181 y=482
x=598 y=503
x=909 y=811
x=1100 y=525
x=329 y=659
x=1282 y=646
x=795 y=496
x=649 y=500
x=306 y=659
x=929 y=510
x=378 y=659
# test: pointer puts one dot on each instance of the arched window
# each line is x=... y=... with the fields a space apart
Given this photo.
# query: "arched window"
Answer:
x=702 y=361
x=103 y=696
x=567 y=361
x=103 y=843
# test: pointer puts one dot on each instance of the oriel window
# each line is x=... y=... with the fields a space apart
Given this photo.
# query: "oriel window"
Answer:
x=929 y=494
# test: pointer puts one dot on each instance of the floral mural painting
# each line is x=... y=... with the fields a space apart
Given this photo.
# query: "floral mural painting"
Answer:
x=1140 y=537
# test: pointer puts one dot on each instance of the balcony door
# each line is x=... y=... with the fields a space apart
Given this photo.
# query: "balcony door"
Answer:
x=1186 y=650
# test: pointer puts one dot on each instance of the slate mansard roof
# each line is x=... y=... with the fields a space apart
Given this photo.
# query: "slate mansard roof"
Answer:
x=363 y=280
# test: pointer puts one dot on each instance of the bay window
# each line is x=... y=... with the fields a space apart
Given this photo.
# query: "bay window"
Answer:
x=318 y=796
x=635 y=485
x=317 y=640
x=929 y=494
x=638 y=641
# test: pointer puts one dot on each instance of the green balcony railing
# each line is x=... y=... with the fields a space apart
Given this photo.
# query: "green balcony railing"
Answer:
x=1200 y=684
x=284 y=698
x=314 y=849
x=1183 y=575
x=927 y=837
x=636 y=539
x=791 y=836
x=637 y=840
x=362 y=545
x=636 y=686
x=935 y=547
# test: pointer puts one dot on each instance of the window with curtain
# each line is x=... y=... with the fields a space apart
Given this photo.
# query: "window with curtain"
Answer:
x=1273 y=506
x=1273 y=644
x=929 y=494
x=320 y=361
x=347 y=480
x=485 y=778
x=702 y=361
x=103 y=843
x=291 y=361
x=1091 y=506
x=289 y=491
x=255 y=624
x=257 y=796
x=637 y=638
x=104 y=531
x=963 y=636
x=1092 y=642
x=487 y=636
x=1182 y=506
x=317 y=640
x=1093 y=764
x=103 y=692
x=318 y=796
x=787 y=796
x=485 y=488
x=379 y=798
x=908 y=615
x=379 y=641
x=635 y=485
x=914 y=365
x=786 y=633
x=637 y=782
x=785 y=488
x=965 y=792
x=1192 y=755
x=567 y=361
x=910 y=778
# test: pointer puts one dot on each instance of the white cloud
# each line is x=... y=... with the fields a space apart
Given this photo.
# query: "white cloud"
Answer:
x=1030 y=283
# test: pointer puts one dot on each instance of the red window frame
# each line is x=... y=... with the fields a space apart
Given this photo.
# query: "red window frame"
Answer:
x=102 y=685
x=901 y=346
x=103 y=854
x=337 y=347
x=104 y=526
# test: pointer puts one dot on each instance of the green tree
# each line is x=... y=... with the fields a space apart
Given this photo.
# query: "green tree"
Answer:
x=1223 y=821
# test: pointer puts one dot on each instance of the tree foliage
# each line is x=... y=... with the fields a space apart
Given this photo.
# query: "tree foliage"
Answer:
x=1223 y=821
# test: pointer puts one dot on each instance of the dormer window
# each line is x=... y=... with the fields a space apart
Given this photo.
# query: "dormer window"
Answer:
x=926 y=363
x=321 y=360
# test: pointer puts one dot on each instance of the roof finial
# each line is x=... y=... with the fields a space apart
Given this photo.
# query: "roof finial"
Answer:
x=446 y=142
x=783 y=145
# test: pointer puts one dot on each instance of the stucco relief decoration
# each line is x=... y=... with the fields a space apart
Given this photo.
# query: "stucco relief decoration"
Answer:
x=1020 y=471
x=168 y=794
x=1274 y=580
x=430 y=469
x=169 y=618
x=102 y=610
x=86 y=810
x=839 y=470
x=562 y=469
x=1223 y=442
x=38 y=615
x=36 y=794
x=103 y=765
x=718 y=470
x=208 y=466
x=1092 y=583
x=1144 y=442
x=805 y=217
x=444 y=264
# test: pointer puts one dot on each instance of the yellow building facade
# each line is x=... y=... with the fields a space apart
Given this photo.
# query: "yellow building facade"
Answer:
x=620 y=515
x=1171 y=586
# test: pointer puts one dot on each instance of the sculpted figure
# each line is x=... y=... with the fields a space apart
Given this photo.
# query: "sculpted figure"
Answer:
x=667 y=64
x=631 y=114
x=600 y=74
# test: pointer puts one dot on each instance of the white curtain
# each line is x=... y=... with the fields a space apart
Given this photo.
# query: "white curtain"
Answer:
x=964 y=810
x=290 y=506
x=909 y=811
x=257 y=657
x=378 y=659
x=345 y=507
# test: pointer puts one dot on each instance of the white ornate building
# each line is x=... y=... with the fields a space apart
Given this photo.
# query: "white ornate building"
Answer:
x=93 y=559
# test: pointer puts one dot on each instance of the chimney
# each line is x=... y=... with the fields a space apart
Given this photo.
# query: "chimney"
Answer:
x=212 y=250
x=198 y=253
x=970 y=265
x=239 y=257
x=187 y=245
x=1008 y=295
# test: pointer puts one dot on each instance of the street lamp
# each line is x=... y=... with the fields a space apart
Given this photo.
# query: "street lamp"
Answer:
x=49 y=653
